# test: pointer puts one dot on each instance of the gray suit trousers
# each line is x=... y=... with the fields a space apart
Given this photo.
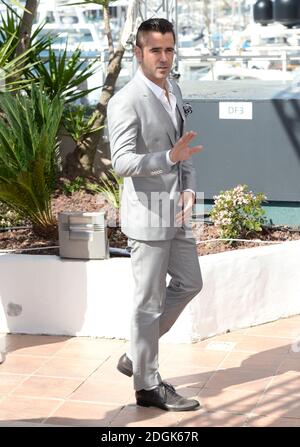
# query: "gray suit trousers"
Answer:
x=157 y=307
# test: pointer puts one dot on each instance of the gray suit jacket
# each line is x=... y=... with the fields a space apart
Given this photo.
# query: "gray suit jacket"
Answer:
x=141 y=132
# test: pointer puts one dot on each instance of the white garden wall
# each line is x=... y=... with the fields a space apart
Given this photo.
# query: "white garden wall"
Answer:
x=42 y=294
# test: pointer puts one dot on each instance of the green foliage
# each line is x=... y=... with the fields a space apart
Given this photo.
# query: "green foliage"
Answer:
x=71 y=186
x=63 y=75
x=18 y=67
x=11 y=67
x=10 y=26
x=28 y=152
x=60 y=74
x=9 y=217
x=15 y=2
x=110 y=187
x=238 y=212
x=78 y=123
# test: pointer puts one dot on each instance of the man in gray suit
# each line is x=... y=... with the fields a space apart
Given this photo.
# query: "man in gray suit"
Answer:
x=151 y=151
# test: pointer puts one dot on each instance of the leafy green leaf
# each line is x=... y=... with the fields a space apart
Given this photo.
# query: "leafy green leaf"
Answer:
x=28 y=144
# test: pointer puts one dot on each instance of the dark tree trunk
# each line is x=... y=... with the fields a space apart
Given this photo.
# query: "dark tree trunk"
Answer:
x=26 y=26
x=24 y=36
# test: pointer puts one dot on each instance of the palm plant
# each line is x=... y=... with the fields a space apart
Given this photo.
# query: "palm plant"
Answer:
x=78 y=123
x=28 y=150
x=63 y=75
x=10 y=26
x=16 y=66
x=11 y=67
x=110 y=187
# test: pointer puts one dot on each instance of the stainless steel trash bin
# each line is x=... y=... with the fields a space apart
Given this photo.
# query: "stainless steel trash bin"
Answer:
x=83 y=235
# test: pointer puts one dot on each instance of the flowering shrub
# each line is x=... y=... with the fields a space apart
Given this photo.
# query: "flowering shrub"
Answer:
x=238 y=212
x=9 y=218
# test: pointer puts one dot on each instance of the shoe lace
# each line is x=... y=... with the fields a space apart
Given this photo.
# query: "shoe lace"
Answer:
x=169 y=387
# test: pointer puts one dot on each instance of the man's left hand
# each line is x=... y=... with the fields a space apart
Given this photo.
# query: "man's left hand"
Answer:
x=185 y=204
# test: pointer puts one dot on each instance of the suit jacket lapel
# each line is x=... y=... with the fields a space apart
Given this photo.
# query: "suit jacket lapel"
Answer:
x=179 y=101
x=155 y=106
x=180 y=121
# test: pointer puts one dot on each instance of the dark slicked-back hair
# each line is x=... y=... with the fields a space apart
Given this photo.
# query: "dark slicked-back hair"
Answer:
x=162 y=26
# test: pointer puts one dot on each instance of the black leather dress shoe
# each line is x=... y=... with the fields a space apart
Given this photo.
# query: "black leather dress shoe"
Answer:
x=125 y=365
x=165 y=397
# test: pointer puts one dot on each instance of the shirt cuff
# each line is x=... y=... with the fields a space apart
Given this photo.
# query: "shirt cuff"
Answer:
x=169 y=161
x=191 y=192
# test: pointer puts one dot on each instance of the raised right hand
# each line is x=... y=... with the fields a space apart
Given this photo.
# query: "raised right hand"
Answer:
x=181 y=150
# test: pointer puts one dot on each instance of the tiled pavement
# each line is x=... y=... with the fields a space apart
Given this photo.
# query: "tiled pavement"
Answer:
x=246 y=378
